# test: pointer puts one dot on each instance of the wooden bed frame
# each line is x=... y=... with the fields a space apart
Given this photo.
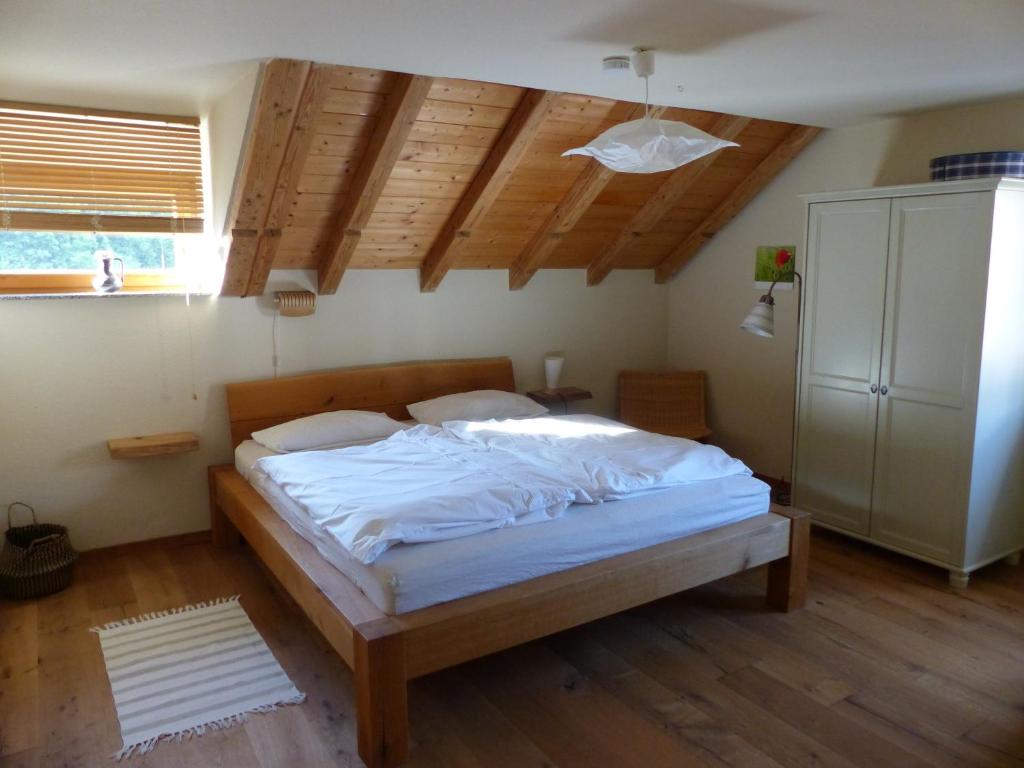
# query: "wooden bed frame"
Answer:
x=386 y=651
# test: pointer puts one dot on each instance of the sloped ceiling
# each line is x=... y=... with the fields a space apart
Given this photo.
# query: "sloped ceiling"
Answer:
x=353 y=168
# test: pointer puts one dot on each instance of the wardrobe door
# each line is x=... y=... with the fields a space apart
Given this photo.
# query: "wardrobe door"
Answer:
x=930 y=356
x=847 y=247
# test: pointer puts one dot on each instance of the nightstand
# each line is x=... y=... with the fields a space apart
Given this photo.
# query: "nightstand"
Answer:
x=559 y=397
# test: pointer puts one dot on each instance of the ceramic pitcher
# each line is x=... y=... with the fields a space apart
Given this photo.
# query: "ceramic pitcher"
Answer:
x=105 y=280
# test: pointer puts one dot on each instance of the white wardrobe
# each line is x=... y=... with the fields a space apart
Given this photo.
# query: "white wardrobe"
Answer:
x=910 y=412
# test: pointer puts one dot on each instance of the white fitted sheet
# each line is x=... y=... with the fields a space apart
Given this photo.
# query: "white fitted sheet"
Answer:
x=408 y=577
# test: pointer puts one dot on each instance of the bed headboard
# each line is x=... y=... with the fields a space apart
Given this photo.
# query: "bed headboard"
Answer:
x=255 y=405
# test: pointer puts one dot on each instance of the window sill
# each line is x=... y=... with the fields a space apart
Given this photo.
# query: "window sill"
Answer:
x=134 y=294
x=62 y=285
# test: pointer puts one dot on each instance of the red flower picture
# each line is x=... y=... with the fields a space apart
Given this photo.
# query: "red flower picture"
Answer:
x=774 y=262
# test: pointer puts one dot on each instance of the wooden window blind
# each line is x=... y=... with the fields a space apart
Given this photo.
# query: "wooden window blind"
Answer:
x=64 y=169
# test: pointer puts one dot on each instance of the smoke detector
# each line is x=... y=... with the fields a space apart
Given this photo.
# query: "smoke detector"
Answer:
x=615 y=64
x=641 y=62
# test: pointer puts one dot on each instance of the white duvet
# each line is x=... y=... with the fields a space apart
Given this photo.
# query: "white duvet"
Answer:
x=434 y=483
x=609 y=459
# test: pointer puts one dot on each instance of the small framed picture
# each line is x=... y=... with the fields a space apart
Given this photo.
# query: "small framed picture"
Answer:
x=774 y=262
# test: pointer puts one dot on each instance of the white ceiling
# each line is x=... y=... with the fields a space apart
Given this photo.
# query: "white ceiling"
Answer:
x=823 y=62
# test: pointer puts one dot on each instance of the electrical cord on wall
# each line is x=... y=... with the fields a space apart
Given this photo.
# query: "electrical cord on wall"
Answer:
x=273 y=342
x=191 y=345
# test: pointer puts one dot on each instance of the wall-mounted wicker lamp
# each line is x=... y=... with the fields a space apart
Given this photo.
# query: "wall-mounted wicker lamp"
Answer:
x=295 y=303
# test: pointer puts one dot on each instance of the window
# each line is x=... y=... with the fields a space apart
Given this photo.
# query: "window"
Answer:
x=74 y=182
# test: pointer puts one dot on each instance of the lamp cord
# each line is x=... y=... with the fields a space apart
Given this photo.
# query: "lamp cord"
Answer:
x=647 y=97
x=191 y=345
x=273 y=341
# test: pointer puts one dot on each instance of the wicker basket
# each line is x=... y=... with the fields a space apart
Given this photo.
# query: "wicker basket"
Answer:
x=36 y=559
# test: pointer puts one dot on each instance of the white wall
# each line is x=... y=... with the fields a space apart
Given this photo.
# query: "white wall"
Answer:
x=76 y=372
x=751 y=379
x=225 y=125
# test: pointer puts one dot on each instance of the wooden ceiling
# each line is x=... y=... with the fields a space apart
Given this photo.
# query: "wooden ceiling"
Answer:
x=349 y=168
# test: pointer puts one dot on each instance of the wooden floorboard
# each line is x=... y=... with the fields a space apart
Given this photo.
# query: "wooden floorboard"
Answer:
x=887 y=666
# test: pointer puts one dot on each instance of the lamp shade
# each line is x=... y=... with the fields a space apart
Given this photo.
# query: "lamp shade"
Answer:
x=761 y=320
x=649 y=145
x=553 y=369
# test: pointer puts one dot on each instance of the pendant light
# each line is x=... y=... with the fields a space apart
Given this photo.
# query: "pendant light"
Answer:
x=648 y=145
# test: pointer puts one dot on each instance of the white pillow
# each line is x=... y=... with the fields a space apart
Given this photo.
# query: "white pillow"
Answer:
x=335 y=429
x=480 y=405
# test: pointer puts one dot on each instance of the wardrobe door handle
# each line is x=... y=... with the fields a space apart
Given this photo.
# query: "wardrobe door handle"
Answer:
x=874 y=388
x=884 y=390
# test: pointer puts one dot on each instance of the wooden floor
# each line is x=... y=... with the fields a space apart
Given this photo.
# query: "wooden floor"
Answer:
x=885 y=667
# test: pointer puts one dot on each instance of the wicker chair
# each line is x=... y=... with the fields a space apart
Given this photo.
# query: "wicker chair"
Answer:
x=668 y=403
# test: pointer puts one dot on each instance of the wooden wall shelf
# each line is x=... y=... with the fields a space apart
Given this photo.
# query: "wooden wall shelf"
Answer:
x=152 y=445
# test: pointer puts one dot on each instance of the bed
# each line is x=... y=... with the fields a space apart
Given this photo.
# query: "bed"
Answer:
x=388 y=643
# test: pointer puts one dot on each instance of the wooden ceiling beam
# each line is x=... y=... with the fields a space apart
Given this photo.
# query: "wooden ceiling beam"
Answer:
x=314 y=93
x=658 y=205
x=394 y=123
x=534 y=106
x=281 y=85
x=241 y=256
x=567 y=213
x=563 y=218
x=745 y=191
x=277 y=219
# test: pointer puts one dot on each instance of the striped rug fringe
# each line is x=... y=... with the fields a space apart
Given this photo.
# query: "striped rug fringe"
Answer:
x=161 y=614
x=142 y=747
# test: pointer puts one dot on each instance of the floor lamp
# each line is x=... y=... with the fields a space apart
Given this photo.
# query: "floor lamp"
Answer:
x=761 y=322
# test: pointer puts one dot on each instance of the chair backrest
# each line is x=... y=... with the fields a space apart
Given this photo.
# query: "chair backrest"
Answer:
x=669 y=403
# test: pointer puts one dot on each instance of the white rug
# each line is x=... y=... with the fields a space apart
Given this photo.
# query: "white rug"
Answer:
x=177 y=673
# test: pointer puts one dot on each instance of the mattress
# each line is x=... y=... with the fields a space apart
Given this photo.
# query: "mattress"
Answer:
x=412 y=576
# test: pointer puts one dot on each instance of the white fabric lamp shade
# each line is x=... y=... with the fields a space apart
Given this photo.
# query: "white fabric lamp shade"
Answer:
x=649 y=145
x=761 y=320
x=553 y=370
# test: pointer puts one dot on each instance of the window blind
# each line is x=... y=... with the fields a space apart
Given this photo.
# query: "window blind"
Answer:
x=67 y=169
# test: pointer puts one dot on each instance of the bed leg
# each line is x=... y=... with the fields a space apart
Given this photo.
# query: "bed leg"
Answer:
x=223 y=531
x=382 y=716
x=787 y=578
